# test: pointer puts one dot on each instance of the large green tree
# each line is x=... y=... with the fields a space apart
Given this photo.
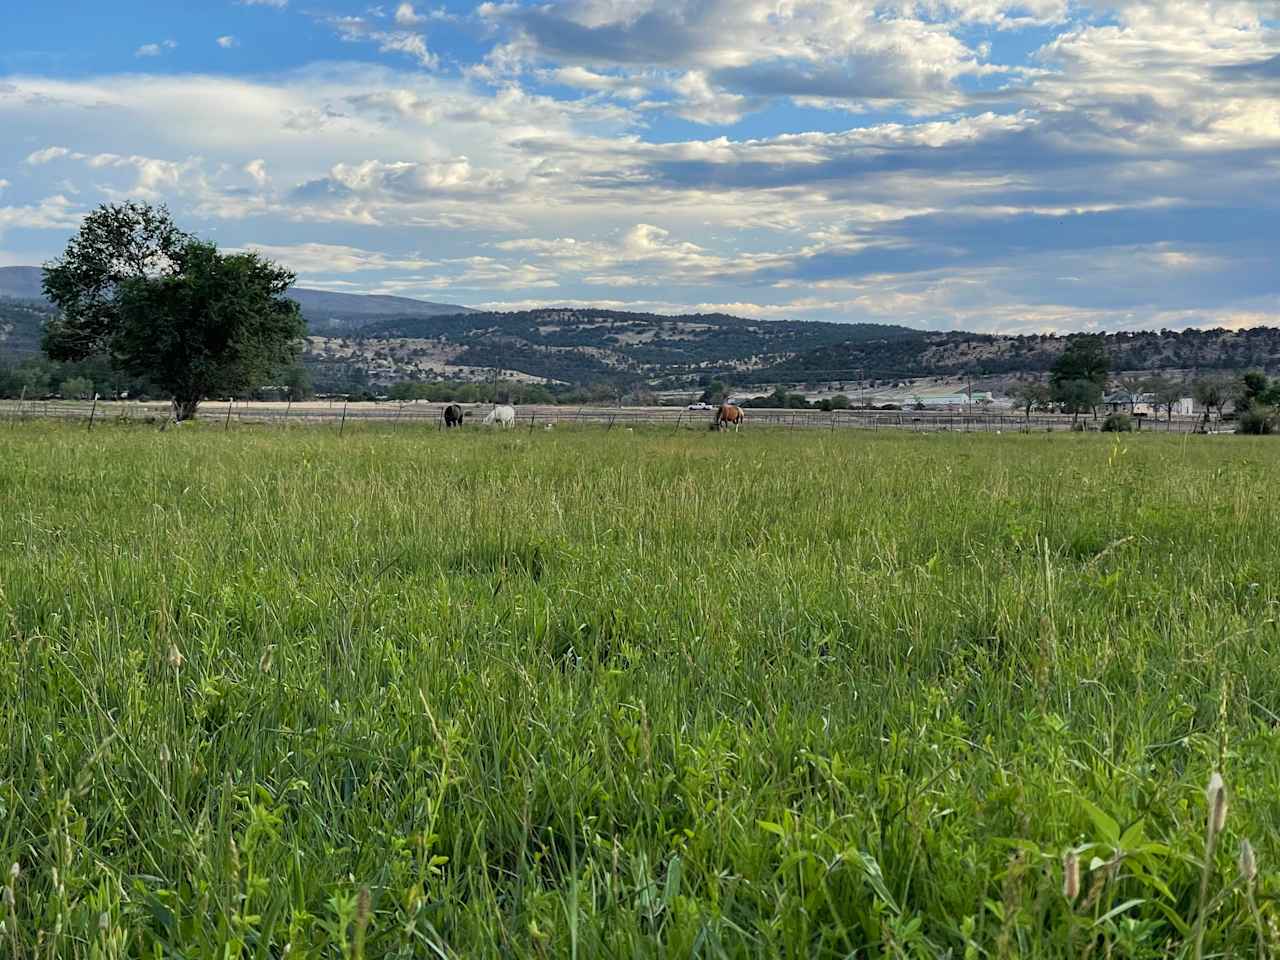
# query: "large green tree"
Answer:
x=1077 y=397
x=1030 y=395
x=1165 y=392
x=1084 y=358
x=162 y=305
x=1212 y=393
x=1079 y=375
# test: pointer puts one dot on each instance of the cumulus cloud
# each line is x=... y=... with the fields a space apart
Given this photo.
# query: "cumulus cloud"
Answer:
x=583 y=79
x=1135 y=152
x=361 y=29
x=227 y=42
x=52 y=213
x=277 y=4
x=257 y=171
x=47 y=155
x=327 y=258
x=406 y=16
x=723 y=56
x=155 y=49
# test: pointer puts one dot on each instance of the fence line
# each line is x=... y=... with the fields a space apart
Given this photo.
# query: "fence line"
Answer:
x=419 y=412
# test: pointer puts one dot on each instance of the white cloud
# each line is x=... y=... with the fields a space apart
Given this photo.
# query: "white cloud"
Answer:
x=52 y=213
x=155 y=49
x=47 y=155
x=257 y=170
x=360 y=30
x=1126 y=131
x=583 y=79
x=278 y=4
x=321 y=258
x=406 y=16
x=227 y=42
x=724 y=57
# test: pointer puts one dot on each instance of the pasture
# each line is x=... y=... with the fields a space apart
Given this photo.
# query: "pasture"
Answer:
x=420 y=693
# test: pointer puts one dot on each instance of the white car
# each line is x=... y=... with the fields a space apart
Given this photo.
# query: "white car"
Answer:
x=700 y=406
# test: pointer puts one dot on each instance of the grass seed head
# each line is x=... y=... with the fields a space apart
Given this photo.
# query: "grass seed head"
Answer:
x=1071 y=875
x=7 y=896
x=1248 y=864
x=1216 y=795
x=176 y=658
x=15 y=871
x=363 y=904
x=104 y=922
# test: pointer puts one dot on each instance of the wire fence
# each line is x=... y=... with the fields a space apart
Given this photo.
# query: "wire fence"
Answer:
x=339 y=414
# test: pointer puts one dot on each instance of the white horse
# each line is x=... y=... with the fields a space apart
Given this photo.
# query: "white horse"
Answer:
x=504 y=416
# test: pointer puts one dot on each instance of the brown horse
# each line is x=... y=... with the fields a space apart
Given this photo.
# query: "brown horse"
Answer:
x=452 y=416
x=729 y=415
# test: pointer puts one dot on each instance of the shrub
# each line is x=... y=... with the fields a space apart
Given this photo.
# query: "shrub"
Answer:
x=1117 y=423
x=1258 y=421
x=77 y=388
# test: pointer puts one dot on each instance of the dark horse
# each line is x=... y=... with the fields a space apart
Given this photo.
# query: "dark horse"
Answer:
x=452 y=416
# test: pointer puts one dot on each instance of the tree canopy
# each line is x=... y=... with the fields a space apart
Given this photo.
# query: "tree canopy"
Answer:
x=161 y=304
x=1080 y=374
x=1085 y=358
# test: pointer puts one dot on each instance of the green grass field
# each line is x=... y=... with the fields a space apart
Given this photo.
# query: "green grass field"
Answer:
x=588 y=694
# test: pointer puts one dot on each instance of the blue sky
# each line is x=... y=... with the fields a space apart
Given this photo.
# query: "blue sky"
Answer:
x=977 y=164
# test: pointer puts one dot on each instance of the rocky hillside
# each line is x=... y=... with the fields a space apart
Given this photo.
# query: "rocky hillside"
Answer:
x=23 y=310
x=928 y=354
x=21 y=324
x=579 y=346
x=385 y=339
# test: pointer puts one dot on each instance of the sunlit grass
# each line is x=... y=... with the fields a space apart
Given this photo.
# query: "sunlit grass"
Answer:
x=618 y=694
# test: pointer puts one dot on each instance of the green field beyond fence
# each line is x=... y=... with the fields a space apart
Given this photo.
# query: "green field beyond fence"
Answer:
x=405 y=693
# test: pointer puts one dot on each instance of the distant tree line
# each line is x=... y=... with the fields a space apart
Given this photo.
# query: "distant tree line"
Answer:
x=516 y=392
x=39 y=378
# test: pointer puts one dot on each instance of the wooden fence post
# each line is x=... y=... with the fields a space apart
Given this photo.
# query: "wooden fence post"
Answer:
x=227 y=423
x=93 y=410
x=343 y=425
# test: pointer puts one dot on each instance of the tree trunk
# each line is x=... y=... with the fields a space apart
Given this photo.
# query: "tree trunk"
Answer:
x=184 y=409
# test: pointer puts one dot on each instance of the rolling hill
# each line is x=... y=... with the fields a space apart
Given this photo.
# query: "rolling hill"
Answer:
x=952 y=354
x=580 y=345
x=383 y=339
x=20 y=283
x=23 y=310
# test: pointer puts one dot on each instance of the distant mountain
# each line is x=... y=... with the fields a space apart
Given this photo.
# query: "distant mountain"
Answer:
x=385 y=339
x=21 y=283
x=21 y=325
x=325 y=312
x=584 y=346
x=578 y=345
x=348 y=311
x=952 y=354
